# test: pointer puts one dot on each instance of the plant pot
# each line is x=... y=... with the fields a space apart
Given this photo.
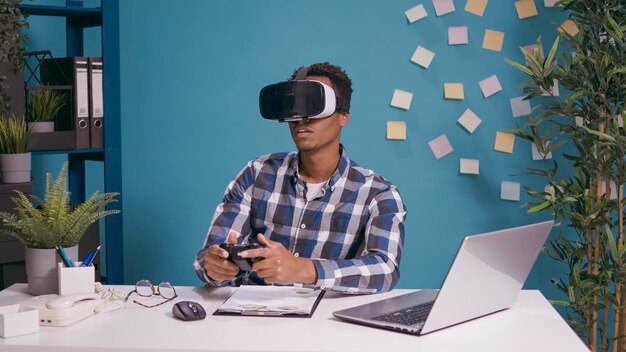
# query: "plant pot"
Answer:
x=41 y=269
x=15 y=167
x=41 y=126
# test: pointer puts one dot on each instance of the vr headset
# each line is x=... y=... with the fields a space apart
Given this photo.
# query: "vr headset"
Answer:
x=300 y=99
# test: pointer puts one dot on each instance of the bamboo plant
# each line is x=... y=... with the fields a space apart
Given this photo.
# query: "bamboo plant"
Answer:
x=586 y=196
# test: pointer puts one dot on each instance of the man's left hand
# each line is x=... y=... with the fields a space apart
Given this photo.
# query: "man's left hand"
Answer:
x=278 y=265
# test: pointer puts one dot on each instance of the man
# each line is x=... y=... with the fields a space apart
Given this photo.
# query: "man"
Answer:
x=325 y=222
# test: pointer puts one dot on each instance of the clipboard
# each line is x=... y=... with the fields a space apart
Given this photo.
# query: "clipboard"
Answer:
x=271 y=301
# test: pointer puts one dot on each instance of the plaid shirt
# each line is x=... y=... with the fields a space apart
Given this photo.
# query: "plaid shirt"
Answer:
x=353 y=230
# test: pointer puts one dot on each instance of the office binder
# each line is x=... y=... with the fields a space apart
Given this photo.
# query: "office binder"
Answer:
x=96 y=102
x=75 y=117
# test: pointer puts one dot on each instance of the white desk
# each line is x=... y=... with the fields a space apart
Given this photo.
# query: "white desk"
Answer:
x=530 y=325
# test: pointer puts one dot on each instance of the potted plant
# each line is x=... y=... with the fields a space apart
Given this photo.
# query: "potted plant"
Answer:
x=12 y=25
x=15 y=159
x=43 y=107
x=43 y=224
x=586 y=128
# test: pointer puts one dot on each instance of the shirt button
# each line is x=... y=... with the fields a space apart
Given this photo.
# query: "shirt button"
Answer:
x=296 y=255
x=301 y=193
x=303 y=226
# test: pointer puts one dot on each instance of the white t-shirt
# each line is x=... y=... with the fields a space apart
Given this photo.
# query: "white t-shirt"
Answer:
x=313 y=189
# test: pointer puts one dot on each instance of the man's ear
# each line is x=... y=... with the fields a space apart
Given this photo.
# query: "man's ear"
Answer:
x=344 y=118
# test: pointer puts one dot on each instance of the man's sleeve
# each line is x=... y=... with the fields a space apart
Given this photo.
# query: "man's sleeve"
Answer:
x=377 y=269
x=231 y=215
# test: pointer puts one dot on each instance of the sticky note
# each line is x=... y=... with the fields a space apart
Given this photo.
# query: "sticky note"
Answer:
x=416 y=13
x=579 y=121
x=570 y=27
x=555 y=89
x=477 y=7
x=469 y=166
x=440 y=146
x=443 y=7
x=422 y=56
x=505 y=142
x=509 y=190
x=457 y=35
x=469 y=120
x=549 y=3
x=493 y=40
x=537 y=155
x=401 y=99
x=490 y=86
x=526 y=9
x=453 y=91
x=531 y=47
x=396 y=130
x=520 y=107
x=612 y=187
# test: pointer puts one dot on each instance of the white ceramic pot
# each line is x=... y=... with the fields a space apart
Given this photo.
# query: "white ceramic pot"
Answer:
x=41 y=126
x=15 y=167
x=41 y=269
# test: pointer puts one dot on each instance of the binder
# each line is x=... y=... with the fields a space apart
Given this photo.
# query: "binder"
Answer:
x=75 y=117
x=96 y=102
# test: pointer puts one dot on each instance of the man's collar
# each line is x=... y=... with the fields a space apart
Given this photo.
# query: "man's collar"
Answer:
x=340 y=173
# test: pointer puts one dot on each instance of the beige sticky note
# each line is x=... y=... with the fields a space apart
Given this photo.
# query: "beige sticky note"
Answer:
x=570 y=27
x=493 y=40
x=453 y=91
x=469 y=120
x=469 y=166
x=396 y=130
x=504 y=142
x=526 y=9
x=477 y=7
x=401 y=99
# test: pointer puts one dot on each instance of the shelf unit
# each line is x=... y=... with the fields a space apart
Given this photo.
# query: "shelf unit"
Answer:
x=77 y=19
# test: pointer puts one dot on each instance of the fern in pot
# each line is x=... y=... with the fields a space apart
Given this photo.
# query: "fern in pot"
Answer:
x=43 y=107
x=15 y=159
x=43 y=224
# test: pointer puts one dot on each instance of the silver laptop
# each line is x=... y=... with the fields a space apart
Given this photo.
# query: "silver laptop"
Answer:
x=486 y=276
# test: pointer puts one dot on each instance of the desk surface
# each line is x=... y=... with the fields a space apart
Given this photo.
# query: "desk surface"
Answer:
x=530 y=325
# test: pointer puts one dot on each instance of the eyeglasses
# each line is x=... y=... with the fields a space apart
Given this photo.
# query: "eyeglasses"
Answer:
x=145 y=288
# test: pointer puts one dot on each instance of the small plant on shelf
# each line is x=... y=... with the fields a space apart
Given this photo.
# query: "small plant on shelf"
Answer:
x=44 y=105
x=14 y=135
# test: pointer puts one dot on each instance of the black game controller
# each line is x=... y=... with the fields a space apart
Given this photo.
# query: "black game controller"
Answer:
x=234 y=250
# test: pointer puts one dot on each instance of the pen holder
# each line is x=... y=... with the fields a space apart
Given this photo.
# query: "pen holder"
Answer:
x=76 y=280
x=18 y=320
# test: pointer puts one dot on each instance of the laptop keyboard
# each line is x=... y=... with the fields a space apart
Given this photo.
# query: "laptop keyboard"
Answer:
x=407 y=316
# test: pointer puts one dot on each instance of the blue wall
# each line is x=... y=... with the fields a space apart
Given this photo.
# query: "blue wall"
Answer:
x=191 y=74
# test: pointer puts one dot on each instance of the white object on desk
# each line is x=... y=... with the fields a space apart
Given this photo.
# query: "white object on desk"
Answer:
x=531 y=324
x=75 y=280
x=57 y=310
x=17 y=320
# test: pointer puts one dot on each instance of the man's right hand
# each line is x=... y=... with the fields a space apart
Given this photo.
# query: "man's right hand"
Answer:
x=216 y=262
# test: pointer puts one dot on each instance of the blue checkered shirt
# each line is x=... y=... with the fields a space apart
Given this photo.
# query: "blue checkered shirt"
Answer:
x=353 y=230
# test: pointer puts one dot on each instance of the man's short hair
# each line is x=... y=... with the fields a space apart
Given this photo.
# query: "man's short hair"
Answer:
x=342 y=84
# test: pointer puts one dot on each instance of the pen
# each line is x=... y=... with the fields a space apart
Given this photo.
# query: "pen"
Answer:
x=90 y=259
x=64 y=257
x=87 y=259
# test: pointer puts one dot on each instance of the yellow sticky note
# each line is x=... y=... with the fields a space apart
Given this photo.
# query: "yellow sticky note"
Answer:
x=504 y=142
x=570 y=27
x=493 y=40
x=526 y=8
x=453 y=91
x=477 y=7
x=396 y=130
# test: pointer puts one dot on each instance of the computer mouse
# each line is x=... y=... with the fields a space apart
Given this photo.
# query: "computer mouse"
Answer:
x=187 y=311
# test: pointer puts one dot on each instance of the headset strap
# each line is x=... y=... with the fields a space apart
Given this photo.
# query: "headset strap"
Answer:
x=301 y=74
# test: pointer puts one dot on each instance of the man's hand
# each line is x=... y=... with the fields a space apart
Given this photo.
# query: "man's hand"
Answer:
x=216 y=262
x=279 y=265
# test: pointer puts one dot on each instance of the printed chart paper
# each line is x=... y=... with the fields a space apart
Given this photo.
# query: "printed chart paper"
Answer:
x=416 y=13
x=493 y=40
x=440 y=146
x=423 y=56
x=477 y=7
x=396 y=130
x=443 y=7
x=453 y=91
x=509 y=190
x=505 y=142
x=490 y=86
x=401 y=99
x=469 y=166
x=520 y=107
x=457 y=35
x=469 y=120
